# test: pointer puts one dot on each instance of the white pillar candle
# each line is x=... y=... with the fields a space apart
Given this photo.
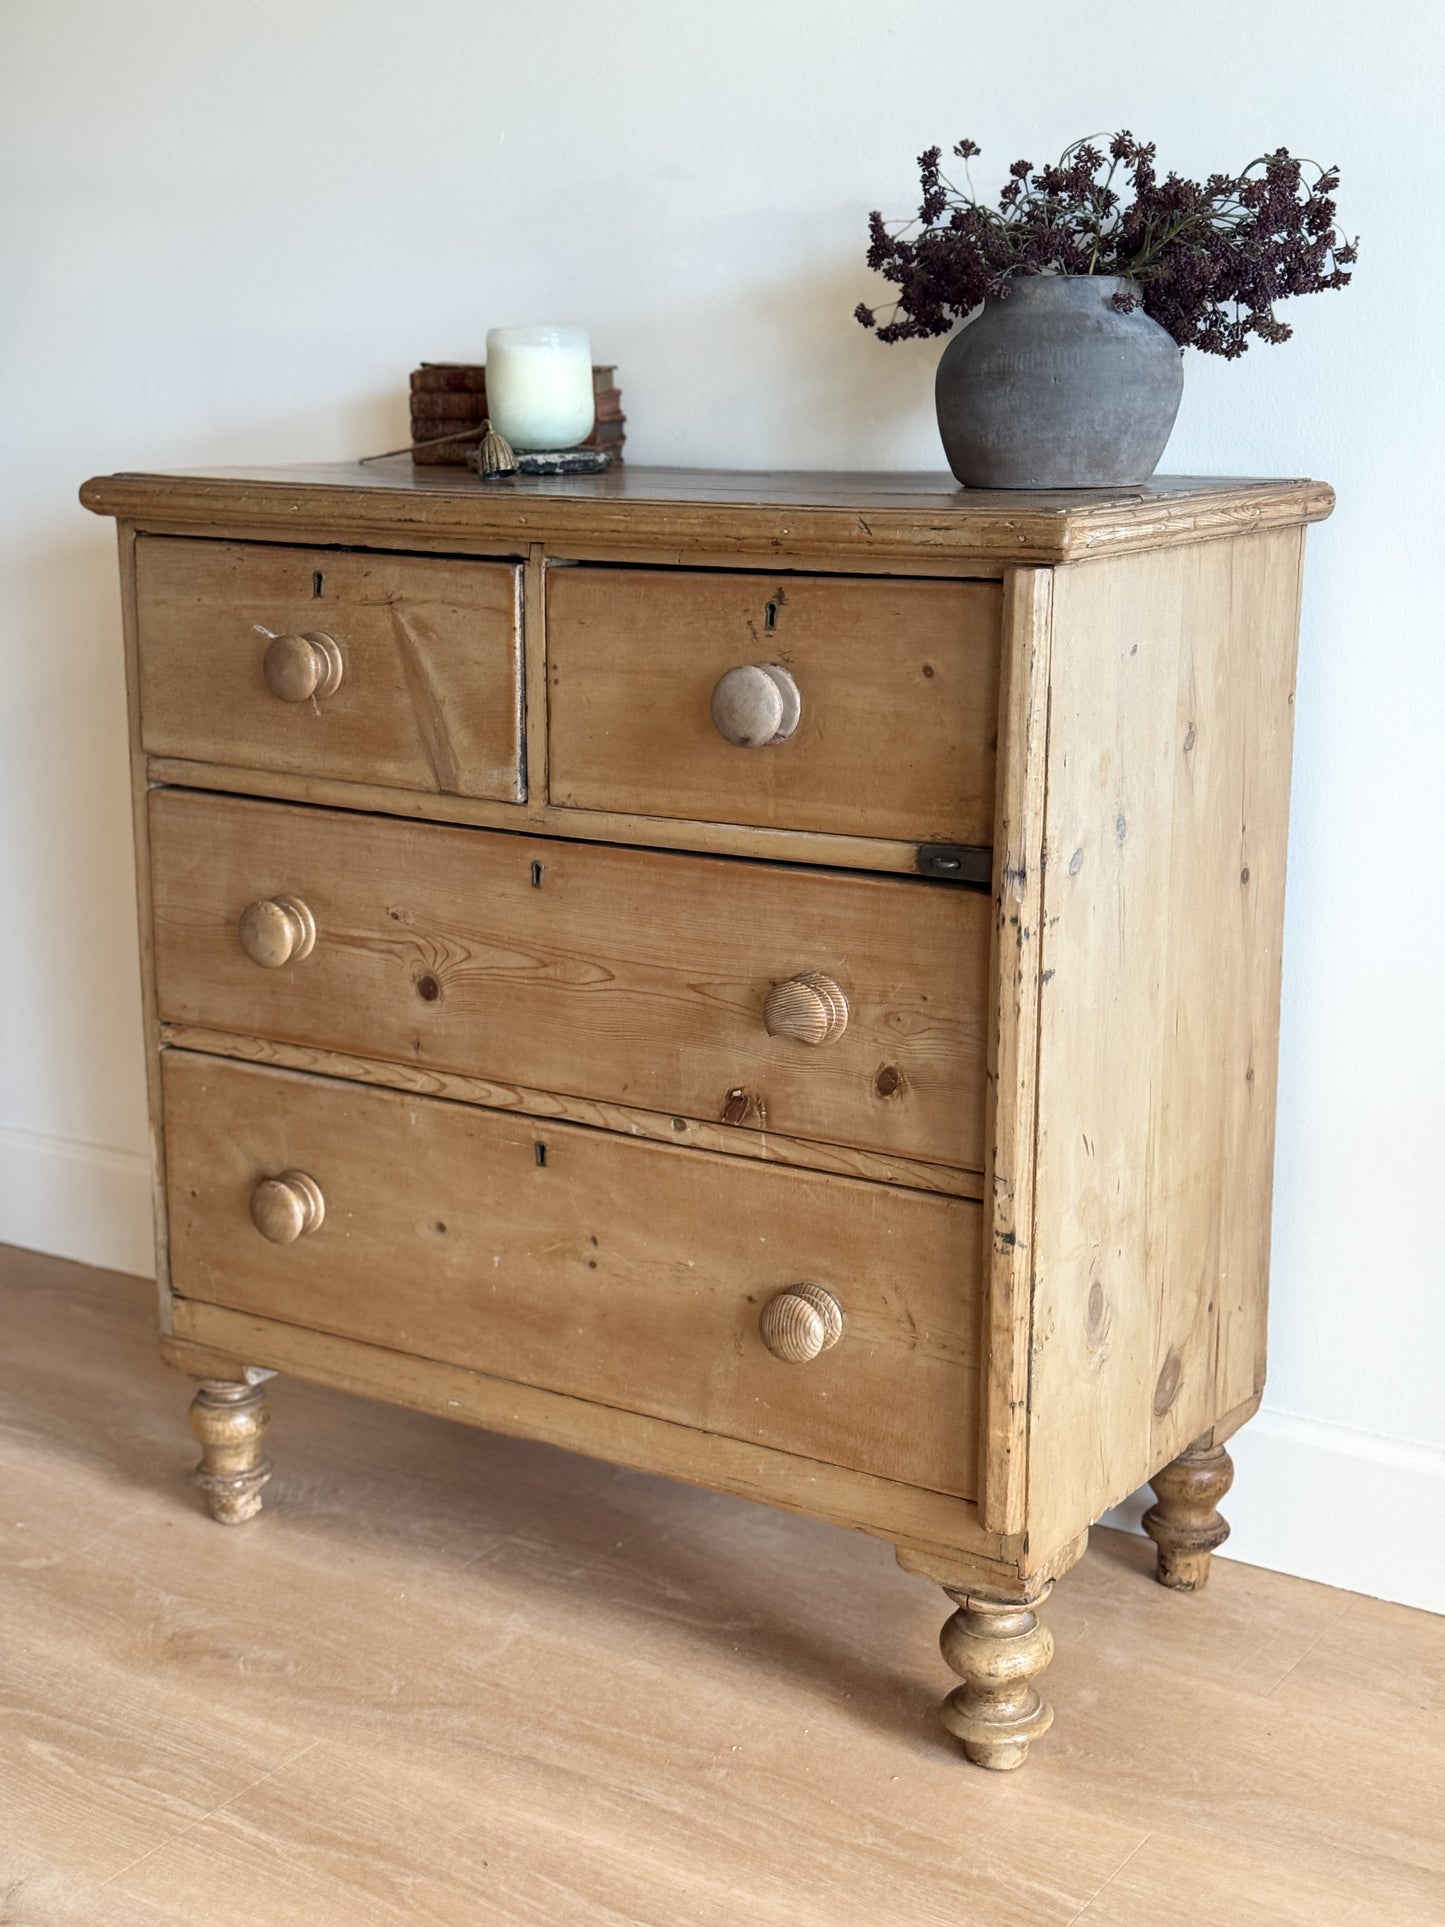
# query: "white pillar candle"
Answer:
x=539 y=386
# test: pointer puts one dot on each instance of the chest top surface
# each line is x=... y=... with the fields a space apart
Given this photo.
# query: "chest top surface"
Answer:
x=902 y=519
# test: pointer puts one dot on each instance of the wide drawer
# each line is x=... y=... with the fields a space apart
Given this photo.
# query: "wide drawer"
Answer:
x=896 y=685
x=627 y=1273
x=635 y=976
x=391 y=669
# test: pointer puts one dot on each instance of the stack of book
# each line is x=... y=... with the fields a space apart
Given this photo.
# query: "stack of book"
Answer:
x=449 y=405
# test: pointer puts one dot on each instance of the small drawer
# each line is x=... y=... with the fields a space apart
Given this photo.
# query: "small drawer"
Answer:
x=844 y=1008
x=632 y=1274
x=864 y=707
x=390 y=669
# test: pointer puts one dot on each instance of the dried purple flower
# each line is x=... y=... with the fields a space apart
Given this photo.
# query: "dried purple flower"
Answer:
x=1211 y=258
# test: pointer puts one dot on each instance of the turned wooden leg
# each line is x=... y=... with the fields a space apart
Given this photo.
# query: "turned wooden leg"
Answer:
x=1185 y=1524
x=230 y=1421
x=998 y=1648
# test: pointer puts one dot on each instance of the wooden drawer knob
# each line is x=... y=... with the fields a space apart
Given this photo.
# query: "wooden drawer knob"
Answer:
x=755 y=705
x=285 y=1207
x=297 y=668
x=813 y=1009
x=276 y=931
x=801 y=1322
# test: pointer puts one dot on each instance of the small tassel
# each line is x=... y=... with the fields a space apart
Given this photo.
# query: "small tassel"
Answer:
x=494 y=457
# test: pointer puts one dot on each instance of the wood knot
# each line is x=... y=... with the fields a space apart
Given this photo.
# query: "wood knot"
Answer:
x=428 y=989
x=889 y=1081
x=1096 y=1324
x=1167 y=1389
x=744 y=1107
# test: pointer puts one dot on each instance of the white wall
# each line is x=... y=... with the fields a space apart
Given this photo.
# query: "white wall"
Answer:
x=230 y=229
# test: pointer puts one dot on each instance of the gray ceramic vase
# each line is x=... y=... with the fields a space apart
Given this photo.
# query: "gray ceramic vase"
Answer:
x=1055 y=388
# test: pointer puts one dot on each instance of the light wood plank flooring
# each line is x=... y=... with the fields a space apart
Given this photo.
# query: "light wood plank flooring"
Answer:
x=451 y=1679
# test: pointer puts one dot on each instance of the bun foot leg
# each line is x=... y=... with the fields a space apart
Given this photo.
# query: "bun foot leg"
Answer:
x=997 y=1648
x=1185 y=1524
x=230 y=1421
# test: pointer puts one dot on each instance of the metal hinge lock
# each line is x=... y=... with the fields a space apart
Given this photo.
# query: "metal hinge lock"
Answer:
x=956 y=862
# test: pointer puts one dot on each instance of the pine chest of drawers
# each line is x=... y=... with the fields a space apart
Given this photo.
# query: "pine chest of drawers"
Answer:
x=768 y=979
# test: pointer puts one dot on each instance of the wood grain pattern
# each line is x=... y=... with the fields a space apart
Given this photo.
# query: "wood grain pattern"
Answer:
x=588 y=826
x=430 y=690
x=629 y=1273
x=229 y=1418
x=1168 y=772
x=812 y=1008
x=140 y=833
x=744 y=1140
x=898 y=683
x=1016 y=946
x=936 y=1535
x=921 y=523
x=1184 y=1522
x=626 y=976
x=801 y=1323
x=534 y=675
x=998 y=1649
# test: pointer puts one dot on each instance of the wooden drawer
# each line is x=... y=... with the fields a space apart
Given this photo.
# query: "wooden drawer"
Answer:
x=898 y=688
x=428 y=654
x=635 y=976
x=627 y=1273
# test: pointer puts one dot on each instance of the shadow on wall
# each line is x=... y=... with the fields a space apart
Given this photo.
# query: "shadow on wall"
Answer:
x=72 y=1121
x=66 y=845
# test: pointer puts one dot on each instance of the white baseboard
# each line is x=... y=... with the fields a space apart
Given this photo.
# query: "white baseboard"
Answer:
x=76 y=1201
x=1326 y=1502
x=1323 y=1501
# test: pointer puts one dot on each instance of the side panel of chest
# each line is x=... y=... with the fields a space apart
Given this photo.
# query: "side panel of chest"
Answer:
x=1170 y=726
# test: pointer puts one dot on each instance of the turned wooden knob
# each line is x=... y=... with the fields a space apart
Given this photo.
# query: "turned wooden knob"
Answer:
x=801 y=1322
x=755 y=705
x=285 y=1207
x=812 y=1009
x=297 y=668
x=276 y=930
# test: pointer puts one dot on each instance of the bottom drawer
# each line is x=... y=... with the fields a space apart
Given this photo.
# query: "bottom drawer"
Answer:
x=628 y=1273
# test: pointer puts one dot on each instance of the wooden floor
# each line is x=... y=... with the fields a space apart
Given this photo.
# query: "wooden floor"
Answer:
x=450 y=1678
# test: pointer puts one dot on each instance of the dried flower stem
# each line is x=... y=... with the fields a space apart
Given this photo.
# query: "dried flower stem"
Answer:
x=1211 y=258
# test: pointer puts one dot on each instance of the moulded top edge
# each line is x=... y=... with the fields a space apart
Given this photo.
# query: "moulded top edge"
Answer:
x=906 y=516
